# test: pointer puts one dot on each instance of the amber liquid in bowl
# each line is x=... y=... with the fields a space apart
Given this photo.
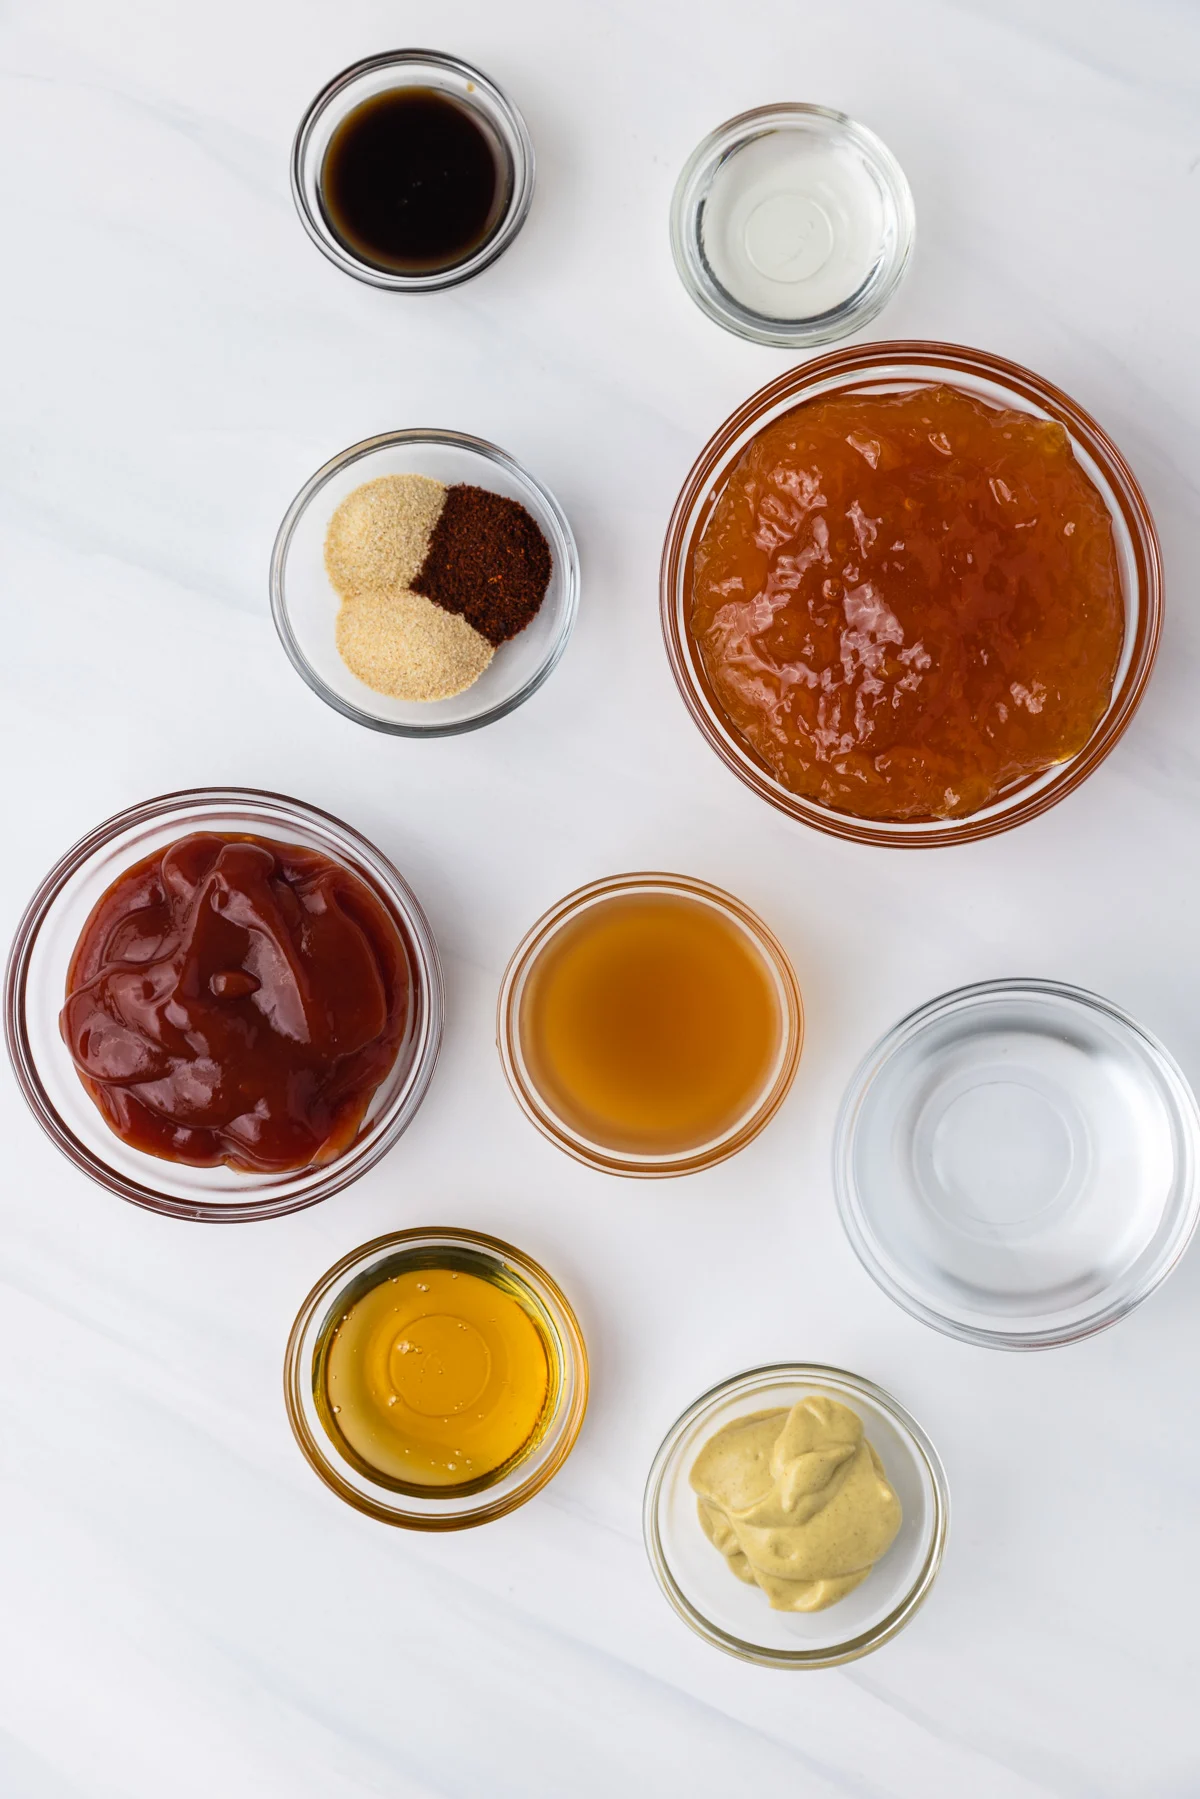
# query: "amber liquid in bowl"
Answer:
x=650 y=1024
x=909 y=603
x=436 y=1372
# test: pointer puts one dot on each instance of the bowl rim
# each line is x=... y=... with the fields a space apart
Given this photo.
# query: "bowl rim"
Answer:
x=518 y=146
x=863 y=366
x=348 y=1167
x=846 y=1187
x=594 y=1155
x=691 y=191
x=564 y=550
x=574 y=1350
x=815 y=1374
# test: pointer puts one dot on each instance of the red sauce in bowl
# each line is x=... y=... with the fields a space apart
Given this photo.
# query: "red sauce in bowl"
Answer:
x=239 y=1001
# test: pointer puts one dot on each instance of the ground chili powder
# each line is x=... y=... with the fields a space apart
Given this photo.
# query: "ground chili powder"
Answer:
x=487 y=561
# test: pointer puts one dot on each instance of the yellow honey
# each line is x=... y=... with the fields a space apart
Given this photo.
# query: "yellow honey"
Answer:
x=435 y=1376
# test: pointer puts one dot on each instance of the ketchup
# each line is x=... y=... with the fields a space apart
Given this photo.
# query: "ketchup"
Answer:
x=234 y=1000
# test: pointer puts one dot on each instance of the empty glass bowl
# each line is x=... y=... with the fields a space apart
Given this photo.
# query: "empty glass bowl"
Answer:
x=36 y=987
x=736 y=1617
x=892 y=367
x=305 y=605
x=1016 y=1163
x=453 y=1508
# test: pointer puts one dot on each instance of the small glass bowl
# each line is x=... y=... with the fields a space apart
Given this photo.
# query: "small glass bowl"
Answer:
x=603 y=1156
x=456 y=1509
x=305 y=605
x=1016 y=1164
x=36 y=984
x=493 y=111
x=893 y=367
x=736 y=1617
x=844 y=197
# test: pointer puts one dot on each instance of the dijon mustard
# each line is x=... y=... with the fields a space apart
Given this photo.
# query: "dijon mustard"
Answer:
x=797 y=1502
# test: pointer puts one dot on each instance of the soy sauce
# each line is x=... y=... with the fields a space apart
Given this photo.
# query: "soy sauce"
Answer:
x=412 y=182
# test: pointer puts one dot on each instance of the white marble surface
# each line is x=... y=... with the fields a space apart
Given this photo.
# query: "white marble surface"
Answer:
x=186 y=1611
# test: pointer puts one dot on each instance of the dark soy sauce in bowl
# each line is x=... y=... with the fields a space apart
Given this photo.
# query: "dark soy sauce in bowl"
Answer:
x=413 y=181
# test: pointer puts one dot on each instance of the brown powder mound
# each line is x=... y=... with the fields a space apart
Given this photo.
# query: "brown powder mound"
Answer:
x=487 y=561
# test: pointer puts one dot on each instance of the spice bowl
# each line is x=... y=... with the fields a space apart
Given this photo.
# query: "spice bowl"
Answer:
x=429 y=72
x=1016 y=1164
x=892 y=368
x=36 y=985
x=399 y=1502
x=736 y=1617
x=305 y=604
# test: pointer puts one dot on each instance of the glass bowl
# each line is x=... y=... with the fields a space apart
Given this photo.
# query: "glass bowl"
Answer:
x=891 y=367
x=816 y=205
x=496 y=115
x=37 y=971
x=457 y=1508
x=736 y=1617
x=1015 y=1164
x=305 y=605
x=537 y=1106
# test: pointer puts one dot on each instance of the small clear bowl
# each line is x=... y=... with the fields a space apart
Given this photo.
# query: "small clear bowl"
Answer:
x=496 y=115
x=36 y=987
x=1016 y=1164
x=305 y=605
x=891 y=368
x=736 y=1617
x=457 y=1509
x=828 y=230
x=605 y=1157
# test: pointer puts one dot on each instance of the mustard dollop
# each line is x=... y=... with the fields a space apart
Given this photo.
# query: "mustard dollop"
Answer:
x=797 y=1502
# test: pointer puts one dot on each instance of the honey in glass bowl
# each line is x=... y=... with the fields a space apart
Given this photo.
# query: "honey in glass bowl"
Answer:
x=908 y=603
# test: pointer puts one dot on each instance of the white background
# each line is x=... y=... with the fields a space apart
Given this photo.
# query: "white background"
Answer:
x=186 y=1612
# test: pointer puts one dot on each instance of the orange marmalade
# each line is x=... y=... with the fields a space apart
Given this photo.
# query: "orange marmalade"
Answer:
x=907 y=603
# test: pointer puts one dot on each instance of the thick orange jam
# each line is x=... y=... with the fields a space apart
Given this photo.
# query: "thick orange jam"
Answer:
x=907 y=603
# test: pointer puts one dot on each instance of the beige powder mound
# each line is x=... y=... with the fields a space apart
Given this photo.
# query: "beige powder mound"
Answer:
x=380 y=533
x=400 y=643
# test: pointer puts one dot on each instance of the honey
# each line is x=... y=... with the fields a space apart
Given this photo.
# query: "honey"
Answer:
x=651 y=1024
x=908 y=604
x=439 y=1376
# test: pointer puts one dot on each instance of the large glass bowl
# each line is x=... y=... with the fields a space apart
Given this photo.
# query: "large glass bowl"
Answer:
x=455 y=1508
x=893 y=367
x=736 y=1617
x=1016 y=1163
x=37 y=973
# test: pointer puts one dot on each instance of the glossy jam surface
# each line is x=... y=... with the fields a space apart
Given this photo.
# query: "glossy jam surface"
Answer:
x=434 y=1376
x=234 y=1000
x=650 y=1024
x=907 y=603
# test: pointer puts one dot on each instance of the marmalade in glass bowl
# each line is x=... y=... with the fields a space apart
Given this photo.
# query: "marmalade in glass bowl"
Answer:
x=909 y=603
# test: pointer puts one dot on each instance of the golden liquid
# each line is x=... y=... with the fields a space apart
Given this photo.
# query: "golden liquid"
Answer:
x=436 y=1376
x=650 y=1024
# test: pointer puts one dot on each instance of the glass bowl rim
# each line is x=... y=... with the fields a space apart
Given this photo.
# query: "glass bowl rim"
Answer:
x=864 y=361
x=920 y=1446
x=564 y=549
x=691 y=188
x=521 y=962
x=517 y=143
x=574 y=1350
x=72 y=861
x=846 y=1189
